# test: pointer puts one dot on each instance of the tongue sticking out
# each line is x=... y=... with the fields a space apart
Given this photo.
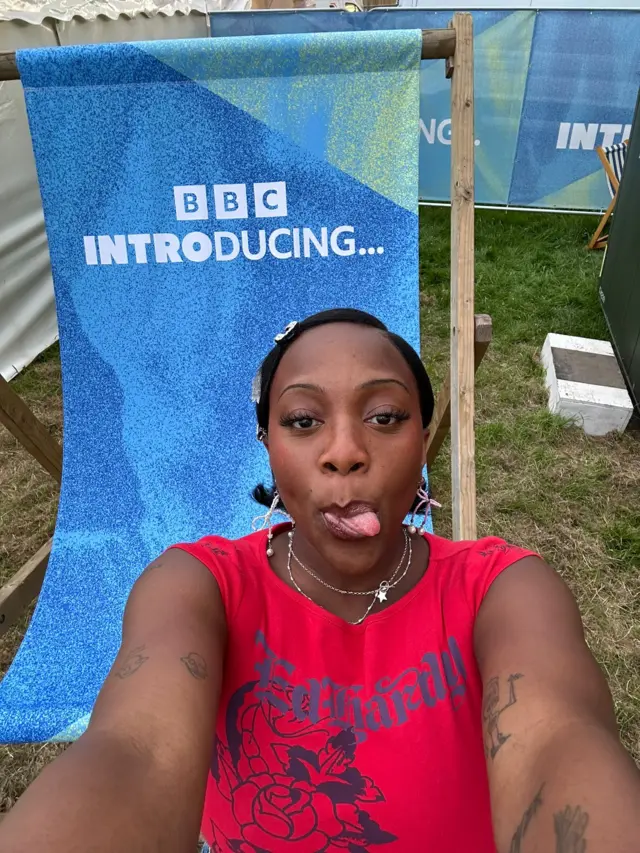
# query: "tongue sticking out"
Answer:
x=353 y=526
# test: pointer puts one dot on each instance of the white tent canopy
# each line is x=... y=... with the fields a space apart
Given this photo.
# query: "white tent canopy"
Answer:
x=34 y=11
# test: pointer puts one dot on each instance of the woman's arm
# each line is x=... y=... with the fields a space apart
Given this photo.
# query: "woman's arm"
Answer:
x=560 y=780
x=136 y=779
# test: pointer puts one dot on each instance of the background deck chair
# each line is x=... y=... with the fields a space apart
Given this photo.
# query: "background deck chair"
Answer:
x=612 y=159
x=159 y=441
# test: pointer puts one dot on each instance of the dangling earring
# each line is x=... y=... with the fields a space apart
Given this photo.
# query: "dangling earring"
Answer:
x=422 y=508
x=267 y=521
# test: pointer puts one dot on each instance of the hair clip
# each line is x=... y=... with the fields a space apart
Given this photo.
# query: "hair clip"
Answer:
x=256 y=386
x=261 y=433
x=288 y=331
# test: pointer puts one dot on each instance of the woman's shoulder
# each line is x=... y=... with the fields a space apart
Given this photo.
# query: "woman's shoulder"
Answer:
x=230 y=561
x=214 y=550
x=489 y=547
x=471 y=566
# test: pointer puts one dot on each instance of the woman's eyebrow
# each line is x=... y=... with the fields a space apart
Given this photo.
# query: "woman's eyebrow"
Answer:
x=373 y=382
x=307 y=386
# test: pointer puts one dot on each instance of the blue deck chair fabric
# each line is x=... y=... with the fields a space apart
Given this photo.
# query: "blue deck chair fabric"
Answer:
x=198 y=196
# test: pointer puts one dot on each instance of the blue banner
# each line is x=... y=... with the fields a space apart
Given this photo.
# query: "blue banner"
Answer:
x=502 y=45
x=198 y=196
x=550 y=85
x=581 y=92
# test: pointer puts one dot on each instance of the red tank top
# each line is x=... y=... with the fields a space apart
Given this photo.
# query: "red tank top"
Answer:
x=345 y=738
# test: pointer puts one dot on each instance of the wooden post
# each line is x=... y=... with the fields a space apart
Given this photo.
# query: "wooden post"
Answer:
x=436 y=44
x=441 y=421
x=23 y=587
x=463 y=471
x=30 y=432
x=8 y=67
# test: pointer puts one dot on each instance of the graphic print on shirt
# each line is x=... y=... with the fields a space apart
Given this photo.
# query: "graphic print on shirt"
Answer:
x=288 y=769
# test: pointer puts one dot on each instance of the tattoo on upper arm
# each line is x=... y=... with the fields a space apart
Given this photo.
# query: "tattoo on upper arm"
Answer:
x=196 y=665
x=132 y=662
x=516 y=841
x=155 y=564
x=570 y=826
x=491 y=713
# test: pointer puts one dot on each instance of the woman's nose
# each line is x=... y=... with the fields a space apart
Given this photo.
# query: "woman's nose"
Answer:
x=346 y=450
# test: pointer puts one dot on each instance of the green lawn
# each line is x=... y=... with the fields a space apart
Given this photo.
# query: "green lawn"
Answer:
x=540 y=484
x=573 y=498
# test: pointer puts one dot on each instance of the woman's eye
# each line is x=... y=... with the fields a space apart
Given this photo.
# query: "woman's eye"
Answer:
x=299 y=422
x=382 y=420
x=304 y=423
x=387 y=418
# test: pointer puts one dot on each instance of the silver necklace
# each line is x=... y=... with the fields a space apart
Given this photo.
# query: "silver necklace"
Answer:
x=380 y=594
x=380 y=591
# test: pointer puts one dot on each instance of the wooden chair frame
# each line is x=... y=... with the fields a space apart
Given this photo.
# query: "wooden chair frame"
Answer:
x=599 y=240
x=470 y=335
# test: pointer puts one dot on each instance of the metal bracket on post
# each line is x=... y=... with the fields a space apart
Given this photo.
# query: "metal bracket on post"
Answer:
x=449 y=63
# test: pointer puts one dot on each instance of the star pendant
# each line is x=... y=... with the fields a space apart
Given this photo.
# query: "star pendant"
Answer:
x=381 y=594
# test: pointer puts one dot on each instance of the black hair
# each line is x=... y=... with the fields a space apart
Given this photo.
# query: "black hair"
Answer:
x=264 y=378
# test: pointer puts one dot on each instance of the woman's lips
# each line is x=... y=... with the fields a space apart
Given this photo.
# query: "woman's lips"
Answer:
x=352 y=522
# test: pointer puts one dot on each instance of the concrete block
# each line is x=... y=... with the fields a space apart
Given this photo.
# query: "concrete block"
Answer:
x=585 y=383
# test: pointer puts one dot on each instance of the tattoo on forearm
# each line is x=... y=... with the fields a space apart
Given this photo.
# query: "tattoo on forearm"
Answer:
x=196 y=665
x=491 y=713
x=570 y=826
x=132 y=662
x=516 y=841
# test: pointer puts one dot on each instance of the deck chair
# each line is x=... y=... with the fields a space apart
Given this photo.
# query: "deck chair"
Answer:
x=612 y=159
x=159 y=432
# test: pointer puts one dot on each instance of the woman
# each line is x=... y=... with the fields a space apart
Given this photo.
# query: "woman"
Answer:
x=370 y=686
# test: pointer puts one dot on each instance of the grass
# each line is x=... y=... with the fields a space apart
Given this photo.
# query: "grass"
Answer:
x=574 y=499
x=29 y=496
x=28 y=503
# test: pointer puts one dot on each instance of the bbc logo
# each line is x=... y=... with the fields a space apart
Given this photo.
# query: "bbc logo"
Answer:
x=231 y=201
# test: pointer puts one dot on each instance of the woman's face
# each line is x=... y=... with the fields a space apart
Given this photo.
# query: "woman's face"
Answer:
x=346 y=440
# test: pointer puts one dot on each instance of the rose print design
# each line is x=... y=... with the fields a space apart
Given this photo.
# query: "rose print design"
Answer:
x=290 y=785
